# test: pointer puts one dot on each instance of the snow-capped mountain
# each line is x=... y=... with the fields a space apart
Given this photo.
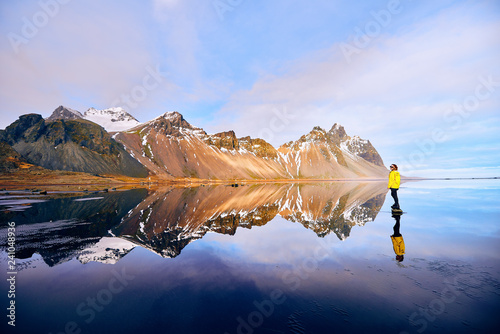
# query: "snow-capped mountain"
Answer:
x=112 y=119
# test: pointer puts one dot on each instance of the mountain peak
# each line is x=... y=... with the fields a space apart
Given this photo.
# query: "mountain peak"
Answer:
x=173 y=123
x=316 y=134
x=318 y=128
x=338 y=130
x=173 y=116
x=63 y=112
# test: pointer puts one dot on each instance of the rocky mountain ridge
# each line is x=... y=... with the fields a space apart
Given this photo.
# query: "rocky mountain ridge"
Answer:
x=169 y=147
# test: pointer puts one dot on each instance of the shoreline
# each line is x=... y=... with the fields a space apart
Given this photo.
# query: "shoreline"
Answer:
x=76 y=180
x=159 y=183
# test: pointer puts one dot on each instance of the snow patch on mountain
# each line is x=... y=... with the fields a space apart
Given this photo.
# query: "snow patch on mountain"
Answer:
x=112 y=119
x=73 y=111
x=107 y=250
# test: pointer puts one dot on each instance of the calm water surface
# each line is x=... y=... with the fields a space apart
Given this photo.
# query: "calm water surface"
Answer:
x=275 y=258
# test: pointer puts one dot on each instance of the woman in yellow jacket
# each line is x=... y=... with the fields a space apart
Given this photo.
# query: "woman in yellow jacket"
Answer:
x=394 y=181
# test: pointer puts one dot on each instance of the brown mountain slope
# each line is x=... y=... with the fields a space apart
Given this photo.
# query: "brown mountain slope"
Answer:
x=172 y=148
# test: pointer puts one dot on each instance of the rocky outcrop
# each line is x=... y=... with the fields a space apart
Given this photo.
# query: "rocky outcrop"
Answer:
x=10 y=159
x=259 y=147
x=226 y=140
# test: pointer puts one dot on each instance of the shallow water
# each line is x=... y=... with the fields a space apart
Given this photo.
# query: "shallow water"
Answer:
x=308 y=258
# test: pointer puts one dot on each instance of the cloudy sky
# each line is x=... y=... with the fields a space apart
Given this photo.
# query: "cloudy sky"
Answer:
x=420 y=80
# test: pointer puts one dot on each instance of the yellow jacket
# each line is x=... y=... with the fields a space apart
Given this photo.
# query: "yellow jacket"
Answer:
x=394 y=180
x=399 y=245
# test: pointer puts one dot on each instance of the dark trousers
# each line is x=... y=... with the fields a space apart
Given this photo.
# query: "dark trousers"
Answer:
x=394 y=194
x=396 y=226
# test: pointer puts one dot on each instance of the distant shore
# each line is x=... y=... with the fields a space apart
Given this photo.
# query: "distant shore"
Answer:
x=40 y=177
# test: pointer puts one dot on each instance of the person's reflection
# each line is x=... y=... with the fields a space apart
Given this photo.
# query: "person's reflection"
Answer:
x=397 y=240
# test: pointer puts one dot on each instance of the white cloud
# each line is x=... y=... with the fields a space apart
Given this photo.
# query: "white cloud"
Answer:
x=185 y=36
x=87 y=55
x=398 y=87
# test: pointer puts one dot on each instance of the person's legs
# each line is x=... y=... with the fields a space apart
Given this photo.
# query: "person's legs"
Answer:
x=394 y=194
x=397 y=225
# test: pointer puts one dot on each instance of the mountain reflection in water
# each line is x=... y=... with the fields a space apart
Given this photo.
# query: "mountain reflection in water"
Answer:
x=165 y=220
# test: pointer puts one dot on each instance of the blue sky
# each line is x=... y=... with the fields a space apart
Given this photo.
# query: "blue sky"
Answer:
x=420 y=80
